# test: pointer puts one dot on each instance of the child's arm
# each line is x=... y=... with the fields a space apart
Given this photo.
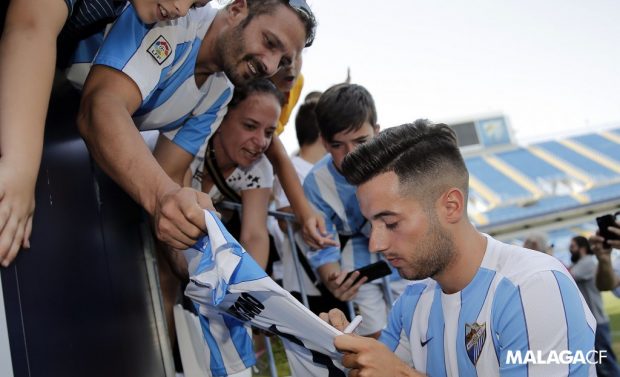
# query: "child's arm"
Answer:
x=254 y=236
x=26 y=74
x=313 y=226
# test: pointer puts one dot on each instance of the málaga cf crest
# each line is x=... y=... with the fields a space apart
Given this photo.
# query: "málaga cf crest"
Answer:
x=475 y=335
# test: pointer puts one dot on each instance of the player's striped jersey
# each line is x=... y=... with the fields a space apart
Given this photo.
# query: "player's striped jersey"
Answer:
x=518 y=301
x=334 y=198
x=160 y=59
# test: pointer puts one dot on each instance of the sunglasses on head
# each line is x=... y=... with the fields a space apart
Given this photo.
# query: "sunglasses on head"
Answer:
x=304 y=10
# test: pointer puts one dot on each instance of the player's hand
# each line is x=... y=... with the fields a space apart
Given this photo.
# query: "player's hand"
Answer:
x=336 y=318
x=16 y=210
x=314 y=232
x=368 y=357
x=179 y=217
x=343 y=288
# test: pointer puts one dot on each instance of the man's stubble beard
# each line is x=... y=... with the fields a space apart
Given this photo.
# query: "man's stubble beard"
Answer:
x=231 y=48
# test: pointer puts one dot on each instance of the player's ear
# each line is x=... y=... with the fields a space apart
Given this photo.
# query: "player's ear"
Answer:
x=452 y=205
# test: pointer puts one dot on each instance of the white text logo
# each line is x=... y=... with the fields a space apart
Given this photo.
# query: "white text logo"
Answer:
x=555 y=357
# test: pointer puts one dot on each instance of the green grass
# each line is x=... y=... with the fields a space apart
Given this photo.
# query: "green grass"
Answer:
x=262 y=363
x=612 y=306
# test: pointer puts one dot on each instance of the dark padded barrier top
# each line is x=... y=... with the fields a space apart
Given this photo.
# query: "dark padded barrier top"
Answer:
x=78 y=302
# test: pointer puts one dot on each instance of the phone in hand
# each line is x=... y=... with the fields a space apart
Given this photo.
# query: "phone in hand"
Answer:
x=373 y=271
x=604 y=222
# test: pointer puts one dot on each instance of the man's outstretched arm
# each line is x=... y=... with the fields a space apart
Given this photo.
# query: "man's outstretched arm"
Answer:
x=109 y=99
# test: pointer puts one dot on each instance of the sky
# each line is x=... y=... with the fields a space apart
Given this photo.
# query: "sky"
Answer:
x=551 y=67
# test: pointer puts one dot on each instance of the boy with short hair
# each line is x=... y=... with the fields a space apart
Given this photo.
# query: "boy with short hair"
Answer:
x=346 y=117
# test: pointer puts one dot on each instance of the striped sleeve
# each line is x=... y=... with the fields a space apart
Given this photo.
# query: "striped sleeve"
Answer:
x=565 y=324
x=313 y=193
x=510 y=326
x=196 y=130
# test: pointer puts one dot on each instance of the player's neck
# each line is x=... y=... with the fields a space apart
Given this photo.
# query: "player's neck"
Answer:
x=469 y=250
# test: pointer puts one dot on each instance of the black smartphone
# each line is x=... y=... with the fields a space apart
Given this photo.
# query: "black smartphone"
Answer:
x=604 y=222
x=373 y=271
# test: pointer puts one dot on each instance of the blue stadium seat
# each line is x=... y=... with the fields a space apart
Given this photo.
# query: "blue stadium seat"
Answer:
x=599 y=144
x=594 y=170
x=531 y=166
x=505 y=188
x=603 y=193
x=541 y=207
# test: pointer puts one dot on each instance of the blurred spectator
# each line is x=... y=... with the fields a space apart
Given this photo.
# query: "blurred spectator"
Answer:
x=314 y=95
x=584 y=272
x=539 y=242
x=290 y=82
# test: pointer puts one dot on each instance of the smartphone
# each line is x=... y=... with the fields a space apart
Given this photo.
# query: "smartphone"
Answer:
x=604 y=222
x=372 y=271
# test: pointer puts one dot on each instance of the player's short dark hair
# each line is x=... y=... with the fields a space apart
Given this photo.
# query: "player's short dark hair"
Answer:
x=344 y=107
x=424 y=156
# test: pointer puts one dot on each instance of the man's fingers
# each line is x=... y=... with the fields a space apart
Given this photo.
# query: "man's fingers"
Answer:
x=7 y=237
x=614 y=243
x=27 y=233
x=613 y=229
x=204 y=201
x=349 y=360
x=325 y=317
x=310 y=235
x=5 y=215
x=348 y=343
x=361 y=282
x=320 y=224
x=323 y=237
x=15 y=246
x=172 y=236
x=337 y=319
x=342 y=280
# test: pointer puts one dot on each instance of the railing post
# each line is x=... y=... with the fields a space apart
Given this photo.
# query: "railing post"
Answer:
x=300 y=280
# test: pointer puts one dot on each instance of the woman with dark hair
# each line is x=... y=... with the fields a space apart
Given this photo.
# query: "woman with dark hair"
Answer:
x=232 y=164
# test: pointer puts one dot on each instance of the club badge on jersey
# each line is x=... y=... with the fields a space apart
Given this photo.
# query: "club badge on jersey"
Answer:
x=475 y=336
x=160 y=49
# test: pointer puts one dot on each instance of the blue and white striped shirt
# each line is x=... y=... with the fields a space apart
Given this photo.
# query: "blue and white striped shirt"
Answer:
x=334 y=198
x=518 y=301
x=161 y=59
x=230 y=290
